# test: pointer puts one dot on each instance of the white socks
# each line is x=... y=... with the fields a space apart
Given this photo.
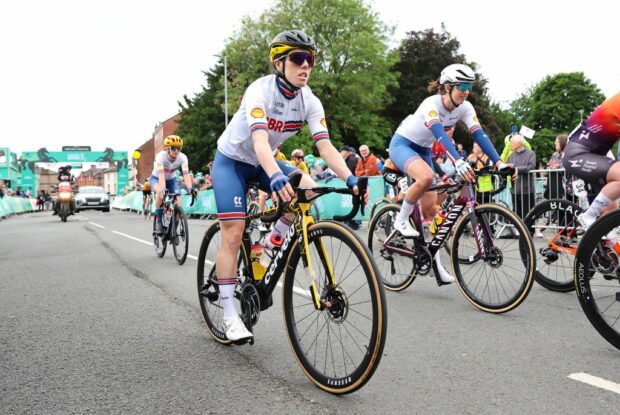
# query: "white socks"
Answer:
x=600 y=203
x=227 y=294
x=405 y=211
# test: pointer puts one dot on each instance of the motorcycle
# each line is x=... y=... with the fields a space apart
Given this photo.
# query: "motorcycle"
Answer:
x=65 y=201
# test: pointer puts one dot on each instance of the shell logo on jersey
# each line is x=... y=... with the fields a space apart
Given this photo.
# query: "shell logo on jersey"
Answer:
x=433 y=113
x=257 y=113
x=475 y=118
x=323 y=122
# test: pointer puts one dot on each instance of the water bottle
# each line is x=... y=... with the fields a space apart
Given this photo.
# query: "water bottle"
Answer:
x=257 y=269
x=437 y=220
x=271 y=247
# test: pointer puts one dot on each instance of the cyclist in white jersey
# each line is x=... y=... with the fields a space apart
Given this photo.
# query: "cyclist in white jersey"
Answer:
x=410 y=147
x=166 y=164
x=273 y=109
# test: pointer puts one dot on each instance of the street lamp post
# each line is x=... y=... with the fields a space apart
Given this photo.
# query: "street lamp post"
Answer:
x=581 y=116
x=225 y=88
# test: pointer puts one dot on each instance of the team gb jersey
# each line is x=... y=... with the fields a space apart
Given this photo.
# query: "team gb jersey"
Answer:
x=163 y=165
x=269 y=105
x=417 y=126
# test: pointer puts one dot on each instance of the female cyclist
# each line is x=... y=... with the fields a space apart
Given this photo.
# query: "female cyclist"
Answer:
x=410 y=148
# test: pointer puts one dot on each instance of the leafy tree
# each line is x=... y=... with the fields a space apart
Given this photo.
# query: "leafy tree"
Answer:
x=353 y=65
x=423 y=55
x=202 y=120
x=552 y=107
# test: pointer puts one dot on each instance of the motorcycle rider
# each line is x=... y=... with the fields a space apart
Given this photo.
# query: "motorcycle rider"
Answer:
x=64 y=175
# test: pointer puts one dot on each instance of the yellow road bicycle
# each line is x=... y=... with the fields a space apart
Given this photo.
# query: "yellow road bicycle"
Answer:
x=332 y=298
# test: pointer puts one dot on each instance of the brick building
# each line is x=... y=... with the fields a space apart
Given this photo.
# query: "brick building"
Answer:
x=91 y=177
x=154 y=145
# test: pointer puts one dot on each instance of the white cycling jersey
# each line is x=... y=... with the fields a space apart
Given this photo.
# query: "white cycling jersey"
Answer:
x=417 y=126
x=163 y=165
x=267 y=104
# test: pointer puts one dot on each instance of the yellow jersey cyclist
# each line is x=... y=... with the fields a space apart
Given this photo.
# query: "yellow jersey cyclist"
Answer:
x=297 y=160
x=164 y=178
x=410 y=148
x=146 y=192
x=273 y=109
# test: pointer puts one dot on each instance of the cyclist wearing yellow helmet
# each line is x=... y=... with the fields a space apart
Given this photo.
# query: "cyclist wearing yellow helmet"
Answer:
x=273 y=109
x=167 y=162
x=146 y=192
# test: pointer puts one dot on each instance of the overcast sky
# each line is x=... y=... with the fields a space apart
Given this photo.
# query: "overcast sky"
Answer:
x=104 y=73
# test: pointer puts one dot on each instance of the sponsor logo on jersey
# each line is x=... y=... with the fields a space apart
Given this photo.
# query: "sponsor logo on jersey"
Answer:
x=433 y=113
x=323 y=122
x=475 y=119
x=257 y=113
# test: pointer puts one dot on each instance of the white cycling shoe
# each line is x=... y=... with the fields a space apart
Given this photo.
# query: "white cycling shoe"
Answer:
x=444 y=275
x=236 y=330
x=405 y=228
x=585 y=221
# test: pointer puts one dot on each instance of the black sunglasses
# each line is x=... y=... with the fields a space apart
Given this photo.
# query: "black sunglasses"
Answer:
x=298 y=58
x=174 y=148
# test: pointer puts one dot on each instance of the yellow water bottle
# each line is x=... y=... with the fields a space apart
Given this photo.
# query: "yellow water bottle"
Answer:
x=436 y=222
x=258 y=270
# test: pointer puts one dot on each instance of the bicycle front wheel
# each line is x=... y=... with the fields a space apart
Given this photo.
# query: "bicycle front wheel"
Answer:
x=208 y=291
x=337 y=333
x=597 y=278
x=180 y=239
x=556 y=235
x=393 y=254
x=502 y=280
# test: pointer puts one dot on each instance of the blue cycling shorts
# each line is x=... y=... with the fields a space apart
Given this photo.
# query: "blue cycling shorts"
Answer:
x=171 y=184
x=230 y=184
x=404 y=151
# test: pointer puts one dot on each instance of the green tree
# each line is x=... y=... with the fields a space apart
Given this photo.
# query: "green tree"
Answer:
x=352 y=75
x=202 y=120
x=553 y=107
x=423 y=55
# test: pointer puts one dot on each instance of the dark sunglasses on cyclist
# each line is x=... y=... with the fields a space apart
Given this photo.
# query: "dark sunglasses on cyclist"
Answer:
x=298 y=58
x=175 y=148
x=465 y=87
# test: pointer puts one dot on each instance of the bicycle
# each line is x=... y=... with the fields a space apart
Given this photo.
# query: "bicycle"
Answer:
x=596 y=274
x=556 y=257
x=176 y=231
x=148 y=206
x=333 y=302
x=474 y=242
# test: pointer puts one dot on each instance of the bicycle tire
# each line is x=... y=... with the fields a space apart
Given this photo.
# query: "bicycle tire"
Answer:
x=159 y=241
x=600 y=304
x=181 y=234
x=340 y=311
x=556 y=213
x=468 y=284
x=376 y=205
x=208 y=292
x=396 y=271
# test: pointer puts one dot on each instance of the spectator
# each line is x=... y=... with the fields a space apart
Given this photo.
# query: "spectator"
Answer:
x=297 y=160
x=555 y=188
x=2 y=189
x=367 y=165
x=479 y=160
x=279 y=155
x=40 y=200
x=508 y=147
x=349 y=156
x=380 y=163
x=523 y=189
x=461 y=151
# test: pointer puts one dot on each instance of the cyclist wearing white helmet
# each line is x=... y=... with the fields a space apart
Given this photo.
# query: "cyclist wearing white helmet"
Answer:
x=273 y=109
x=410 y=148
x=297 y=160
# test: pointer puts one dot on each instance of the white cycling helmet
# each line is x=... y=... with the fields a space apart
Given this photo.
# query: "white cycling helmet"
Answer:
x=457 y=73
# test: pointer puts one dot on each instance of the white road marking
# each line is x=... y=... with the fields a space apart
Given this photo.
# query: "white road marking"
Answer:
x=133 y=238
x=296 y=289
x=596 y=381
x=97 y=225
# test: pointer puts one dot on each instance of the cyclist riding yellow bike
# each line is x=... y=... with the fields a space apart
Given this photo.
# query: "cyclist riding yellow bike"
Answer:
x=163 y=176
x=273 y=109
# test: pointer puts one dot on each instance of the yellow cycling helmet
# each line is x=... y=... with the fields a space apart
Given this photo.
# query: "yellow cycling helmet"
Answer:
x=173 y=141
x=290 y=39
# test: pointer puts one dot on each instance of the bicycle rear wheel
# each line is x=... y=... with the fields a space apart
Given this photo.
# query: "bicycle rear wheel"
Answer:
x=339 y=341
x=208 y=291
x=552 y=224
x=396 y=269
x=180 y=238
x=503 y=280
x=159 y=241
x=597 y=278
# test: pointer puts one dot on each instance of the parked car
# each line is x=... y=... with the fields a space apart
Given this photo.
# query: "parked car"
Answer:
x=92 y=197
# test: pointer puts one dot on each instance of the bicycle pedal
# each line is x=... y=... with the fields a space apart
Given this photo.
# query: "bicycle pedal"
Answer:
x=244 y=341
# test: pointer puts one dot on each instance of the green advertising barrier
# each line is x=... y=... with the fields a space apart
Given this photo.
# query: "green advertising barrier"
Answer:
x=328 y=206
x=10 y=205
